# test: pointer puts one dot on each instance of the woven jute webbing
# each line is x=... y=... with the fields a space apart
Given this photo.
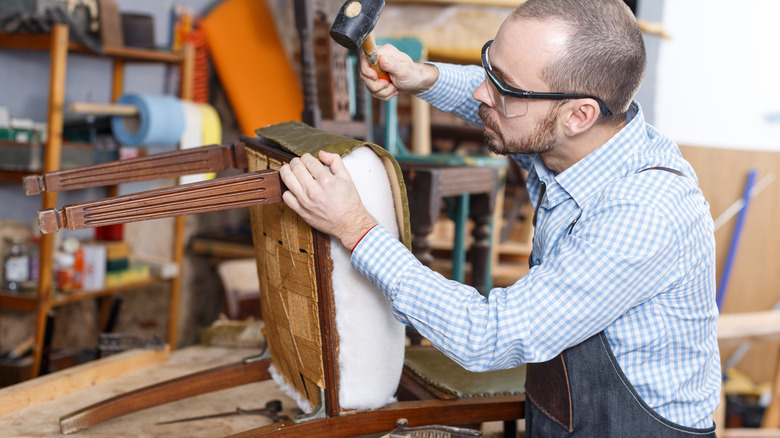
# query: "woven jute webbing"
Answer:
x=284 y=247
x=299 y=138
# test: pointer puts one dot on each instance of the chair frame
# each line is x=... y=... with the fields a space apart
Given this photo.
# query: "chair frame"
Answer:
x=328 y=419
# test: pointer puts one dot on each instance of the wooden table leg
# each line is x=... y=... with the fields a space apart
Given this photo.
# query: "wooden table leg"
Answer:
x=424 y=210
x=427 y=185
x=481 y=213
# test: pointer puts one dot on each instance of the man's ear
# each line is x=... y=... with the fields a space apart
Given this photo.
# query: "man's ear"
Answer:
x=582 y=114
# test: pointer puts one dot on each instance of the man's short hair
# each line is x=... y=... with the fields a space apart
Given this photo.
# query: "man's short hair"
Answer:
x=605 y=52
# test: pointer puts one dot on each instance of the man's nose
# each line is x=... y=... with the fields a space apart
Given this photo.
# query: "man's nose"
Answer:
x=481 y=94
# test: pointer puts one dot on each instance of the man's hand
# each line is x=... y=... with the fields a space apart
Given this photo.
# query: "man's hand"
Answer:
x=326 y=198
x=405 y=74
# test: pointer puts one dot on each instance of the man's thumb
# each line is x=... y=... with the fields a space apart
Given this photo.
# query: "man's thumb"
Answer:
x=333 y=161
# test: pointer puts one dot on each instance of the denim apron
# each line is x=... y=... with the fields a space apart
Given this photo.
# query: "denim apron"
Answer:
x=583 y=392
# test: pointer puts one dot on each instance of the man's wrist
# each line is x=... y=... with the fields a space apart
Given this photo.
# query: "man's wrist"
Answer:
x=429 y=74
x=360 y=230
x=361 y=237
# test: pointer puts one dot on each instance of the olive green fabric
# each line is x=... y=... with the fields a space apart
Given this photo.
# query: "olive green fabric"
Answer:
x=299 y=138
x=436 y=369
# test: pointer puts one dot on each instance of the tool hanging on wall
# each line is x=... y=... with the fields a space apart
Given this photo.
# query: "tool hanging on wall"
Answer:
x=735 y=239
x=272 y=410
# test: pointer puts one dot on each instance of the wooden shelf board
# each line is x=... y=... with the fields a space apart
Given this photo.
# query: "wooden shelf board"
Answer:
x=42 y=42
x=61 y=299
x=29 y=303
x=18 y=302
x=13 y=176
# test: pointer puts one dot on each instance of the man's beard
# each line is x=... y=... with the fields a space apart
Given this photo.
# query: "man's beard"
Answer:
x=542 y=139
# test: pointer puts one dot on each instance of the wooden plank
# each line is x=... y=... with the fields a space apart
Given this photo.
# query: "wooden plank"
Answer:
x=749 y=327
x=26 y=394
x=42 y=420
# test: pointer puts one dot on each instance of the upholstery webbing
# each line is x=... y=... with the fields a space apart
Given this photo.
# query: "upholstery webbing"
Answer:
x=298 y=138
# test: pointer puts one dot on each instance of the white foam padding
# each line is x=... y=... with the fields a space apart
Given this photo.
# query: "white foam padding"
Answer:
x=371 y=340
x=289 y=390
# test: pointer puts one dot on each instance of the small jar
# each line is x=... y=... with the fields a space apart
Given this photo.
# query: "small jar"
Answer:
x=65 y=272
x=16 y=264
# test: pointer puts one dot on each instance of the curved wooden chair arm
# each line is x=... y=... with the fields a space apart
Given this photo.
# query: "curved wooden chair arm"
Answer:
x=204 y=159
x=244 y=190
x=418 y=413
x=210 y=380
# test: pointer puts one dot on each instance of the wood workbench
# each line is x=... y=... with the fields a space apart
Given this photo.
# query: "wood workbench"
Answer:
x=42 y=419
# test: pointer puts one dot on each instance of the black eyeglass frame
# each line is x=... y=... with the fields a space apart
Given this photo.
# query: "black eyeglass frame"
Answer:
x=509 y=91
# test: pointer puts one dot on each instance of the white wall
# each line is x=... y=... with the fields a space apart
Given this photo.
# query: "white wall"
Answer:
x=718 y=82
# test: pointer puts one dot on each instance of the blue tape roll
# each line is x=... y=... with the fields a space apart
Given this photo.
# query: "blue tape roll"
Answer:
x=160 y=121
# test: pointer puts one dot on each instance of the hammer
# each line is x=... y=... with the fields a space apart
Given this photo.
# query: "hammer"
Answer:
x=354 y=27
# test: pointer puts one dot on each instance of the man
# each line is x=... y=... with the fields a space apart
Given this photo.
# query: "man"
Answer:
x=616 y=318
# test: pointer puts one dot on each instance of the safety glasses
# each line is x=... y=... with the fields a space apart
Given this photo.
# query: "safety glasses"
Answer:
x=513 y=102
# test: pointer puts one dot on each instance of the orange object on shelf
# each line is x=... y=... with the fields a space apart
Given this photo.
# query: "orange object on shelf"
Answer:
x=78 y=268
x=252 y=65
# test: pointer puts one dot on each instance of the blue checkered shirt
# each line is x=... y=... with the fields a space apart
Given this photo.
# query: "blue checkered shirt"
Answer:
x=617 y=250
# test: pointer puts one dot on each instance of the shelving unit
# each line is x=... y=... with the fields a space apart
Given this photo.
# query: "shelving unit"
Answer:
x=59 y=47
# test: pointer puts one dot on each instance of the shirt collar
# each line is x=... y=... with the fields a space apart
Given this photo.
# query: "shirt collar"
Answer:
x=598 y=168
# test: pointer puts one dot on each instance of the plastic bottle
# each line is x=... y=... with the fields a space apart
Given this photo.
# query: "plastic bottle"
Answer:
x=71 y=271
x=64 y=271
x=78 y=268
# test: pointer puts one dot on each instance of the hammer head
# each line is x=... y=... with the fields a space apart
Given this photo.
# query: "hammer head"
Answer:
x=355 y=21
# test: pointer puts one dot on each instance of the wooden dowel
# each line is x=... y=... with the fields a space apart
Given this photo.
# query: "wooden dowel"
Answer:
x=103 y=109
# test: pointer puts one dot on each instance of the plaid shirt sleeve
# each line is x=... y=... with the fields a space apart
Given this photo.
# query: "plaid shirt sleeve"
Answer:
x=452 y=92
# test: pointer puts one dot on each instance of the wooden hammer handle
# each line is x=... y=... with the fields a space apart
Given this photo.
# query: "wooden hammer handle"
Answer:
x=369 y=48
x=244 y=190
x=159 y=166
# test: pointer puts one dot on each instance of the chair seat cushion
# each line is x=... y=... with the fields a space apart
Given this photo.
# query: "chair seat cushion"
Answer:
x=443 y=374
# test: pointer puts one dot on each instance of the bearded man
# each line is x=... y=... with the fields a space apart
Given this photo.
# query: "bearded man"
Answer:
x=616 y=319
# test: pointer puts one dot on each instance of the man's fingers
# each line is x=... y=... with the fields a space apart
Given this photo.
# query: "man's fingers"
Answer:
x=301 y=172
x=379 y=88
x=316 y=168
x=289 y=198
x=365 y=69
x=335 y=163
x=290 y=180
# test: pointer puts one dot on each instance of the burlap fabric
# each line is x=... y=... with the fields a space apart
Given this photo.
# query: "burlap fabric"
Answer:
x=285 y=253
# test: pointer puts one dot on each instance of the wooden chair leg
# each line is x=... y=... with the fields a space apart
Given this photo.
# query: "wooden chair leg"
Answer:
x=203 y=382
x=159 y=166
x=244 y=190
x=419 y=413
